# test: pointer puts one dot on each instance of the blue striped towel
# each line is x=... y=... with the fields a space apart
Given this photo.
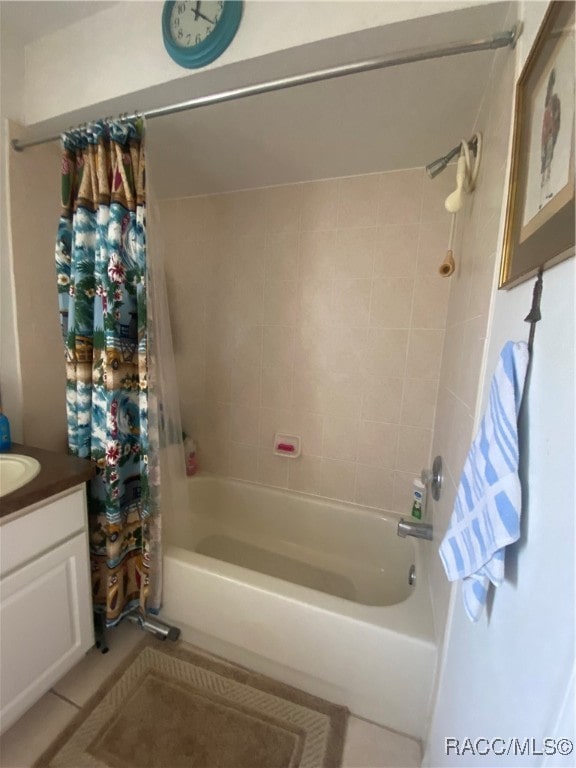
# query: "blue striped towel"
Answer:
x=486 y=516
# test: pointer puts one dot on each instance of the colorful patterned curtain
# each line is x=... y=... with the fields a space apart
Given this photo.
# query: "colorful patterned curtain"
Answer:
x=102 y=286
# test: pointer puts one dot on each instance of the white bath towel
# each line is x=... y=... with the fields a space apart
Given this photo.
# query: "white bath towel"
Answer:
x=486 y=516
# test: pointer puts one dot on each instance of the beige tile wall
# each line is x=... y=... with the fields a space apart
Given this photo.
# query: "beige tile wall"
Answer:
x=472 y=290
x=313 y=309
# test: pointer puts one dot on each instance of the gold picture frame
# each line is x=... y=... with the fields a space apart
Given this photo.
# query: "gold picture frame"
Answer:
x=540 y=221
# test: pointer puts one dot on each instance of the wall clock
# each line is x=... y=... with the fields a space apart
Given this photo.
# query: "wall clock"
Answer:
x=198 y=32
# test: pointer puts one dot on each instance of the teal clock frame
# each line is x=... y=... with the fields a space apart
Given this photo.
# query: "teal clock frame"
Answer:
x=213 y=46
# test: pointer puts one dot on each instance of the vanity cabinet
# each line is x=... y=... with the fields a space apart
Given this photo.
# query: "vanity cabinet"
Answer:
x=45 y=600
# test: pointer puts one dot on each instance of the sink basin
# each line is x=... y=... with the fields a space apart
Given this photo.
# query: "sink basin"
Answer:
x=15 y=471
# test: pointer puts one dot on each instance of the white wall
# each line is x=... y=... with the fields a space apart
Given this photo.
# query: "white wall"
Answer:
x=508 y=675
x=511 y=675
x=11 y=86
x=34 y=184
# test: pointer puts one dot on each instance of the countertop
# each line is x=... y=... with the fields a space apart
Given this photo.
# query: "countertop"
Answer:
x=58 y=473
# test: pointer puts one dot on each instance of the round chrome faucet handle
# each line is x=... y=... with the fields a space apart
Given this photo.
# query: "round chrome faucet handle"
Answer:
x=433 y=477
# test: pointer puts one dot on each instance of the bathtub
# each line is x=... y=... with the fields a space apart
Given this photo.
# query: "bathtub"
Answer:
x=311 y=591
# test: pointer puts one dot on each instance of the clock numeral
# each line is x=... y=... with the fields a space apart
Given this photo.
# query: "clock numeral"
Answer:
x=188 y=39
x=181 y=7
x=180 y=34
x=198 y=38
x=176 y=21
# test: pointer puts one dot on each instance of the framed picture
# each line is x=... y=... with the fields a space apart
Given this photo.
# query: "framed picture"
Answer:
x=540 y=220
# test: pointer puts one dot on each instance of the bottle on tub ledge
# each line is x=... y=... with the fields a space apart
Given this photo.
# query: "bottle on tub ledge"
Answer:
x=418 y=499
x=190 y=458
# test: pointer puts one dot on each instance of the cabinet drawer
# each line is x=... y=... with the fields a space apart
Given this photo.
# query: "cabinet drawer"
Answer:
x=31 y=534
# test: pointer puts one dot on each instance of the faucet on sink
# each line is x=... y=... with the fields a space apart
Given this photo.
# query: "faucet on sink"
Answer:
x=410 y=528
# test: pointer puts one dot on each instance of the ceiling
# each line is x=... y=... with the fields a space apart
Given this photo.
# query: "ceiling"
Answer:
x=29 y=20
x=402 y=117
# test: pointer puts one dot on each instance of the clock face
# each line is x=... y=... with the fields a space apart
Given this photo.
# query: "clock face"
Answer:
x=197 y=32
x=192 y=22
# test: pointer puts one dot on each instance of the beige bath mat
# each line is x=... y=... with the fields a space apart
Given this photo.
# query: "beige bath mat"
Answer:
x=170 y=706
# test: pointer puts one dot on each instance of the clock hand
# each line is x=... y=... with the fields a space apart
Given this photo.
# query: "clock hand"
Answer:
x=197 y=10
x=210 y=21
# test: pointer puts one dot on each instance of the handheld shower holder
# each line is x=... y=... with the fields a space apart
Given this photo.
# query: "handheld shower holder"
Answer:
x=437 y=166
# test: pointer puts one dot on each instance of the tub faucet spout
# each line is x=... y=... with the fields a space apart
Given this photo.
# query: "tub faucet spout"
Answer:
x=410 y=528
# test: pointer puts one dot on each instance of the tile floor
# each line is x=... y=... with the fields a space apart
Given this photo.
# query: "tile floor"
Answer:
x=367 y=745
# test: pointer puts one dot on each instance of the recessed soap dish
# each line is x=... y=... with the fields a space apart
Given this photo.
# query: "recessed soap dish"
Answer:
x=287 y=445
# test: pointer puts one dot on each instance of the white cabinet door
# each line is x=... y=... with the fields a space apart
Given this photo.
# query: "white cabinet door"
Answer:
x=45 y=625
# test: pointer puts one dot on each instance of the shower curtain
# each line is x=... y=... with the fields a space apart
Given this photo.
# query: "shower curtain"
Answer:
x=113 y=395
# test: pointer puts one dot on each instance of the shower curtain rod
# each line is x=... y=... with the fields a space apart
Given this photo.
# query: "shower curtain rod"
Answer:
x=499 y=40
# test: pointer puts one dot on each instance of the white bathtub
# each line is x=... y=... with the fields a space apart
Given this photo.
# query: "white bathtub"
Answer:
x=311 y=591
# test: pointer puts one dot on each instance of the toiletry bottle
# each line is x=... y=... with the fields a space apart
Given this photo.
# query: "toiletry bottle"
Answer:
x=418 y=499
x=190 y=455
x=5 y=441
x=416 y=510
